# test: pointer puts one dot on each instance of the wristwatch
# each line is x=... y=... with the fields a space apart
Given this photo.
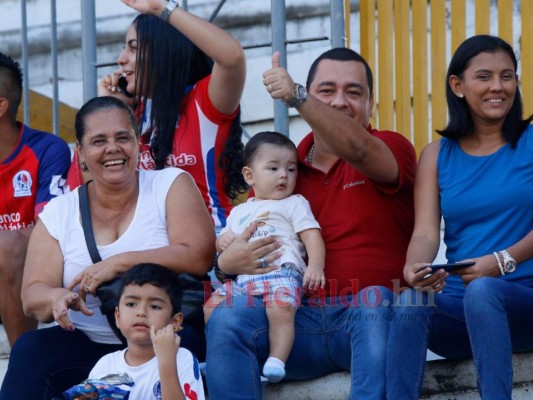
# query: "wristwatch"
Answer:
x=509 y=263
x=221 y=276
x=172 y=4
x=300 y=96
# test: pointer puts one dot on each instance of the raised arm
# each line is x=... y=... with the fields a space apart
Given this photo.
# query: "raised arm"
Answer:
x=166 y=345
x=335 y=127
x=229 y=72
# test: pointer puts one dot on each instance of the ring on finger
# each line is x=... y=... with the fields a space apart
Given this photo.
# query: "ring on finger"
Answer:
x=87 y=288
x=270 y=88
x=262 y=262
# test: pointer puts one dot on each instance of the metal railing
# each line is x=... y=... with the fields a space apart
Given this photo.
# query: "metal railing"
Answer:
x=415 y=38
x=90 y=62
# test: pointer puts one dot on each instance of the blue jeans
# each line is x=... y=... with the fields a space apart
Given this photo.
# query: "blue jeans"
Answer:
x=349 y=335
x=493 y=320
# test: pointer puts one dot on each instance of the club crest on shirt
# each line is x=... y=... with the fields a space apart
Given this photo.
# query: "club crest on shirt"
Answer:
x=157 y=390
x=22 y=184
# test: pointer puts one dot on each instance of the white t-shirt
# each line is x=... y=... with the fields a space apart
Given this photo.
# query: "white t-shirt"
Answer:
x=146 y=376
x=147 y=230
x=283 y=218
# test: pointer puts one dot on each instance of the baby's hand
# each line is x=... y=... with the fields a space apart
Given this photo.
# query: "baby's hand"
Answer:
x=166 y=343
x=225 y=240
x=314 y=277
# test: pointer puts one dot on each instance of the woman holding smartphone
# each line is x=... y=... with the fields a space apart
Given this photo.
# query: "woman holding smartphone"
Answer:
x=184 y=78
x=479 y=177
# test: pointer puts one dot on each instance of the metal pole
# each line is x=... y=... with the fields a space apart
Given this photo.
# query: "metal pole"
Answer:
x=338 y=31
x=25 y=63
x=216 y=11
x=55 y=74
x=88 y=44
x=185 y=5
x=278 y=22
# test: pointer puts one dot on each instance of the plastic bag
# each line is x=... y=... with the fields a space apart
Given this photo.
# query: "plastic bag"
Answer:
x=101 y=389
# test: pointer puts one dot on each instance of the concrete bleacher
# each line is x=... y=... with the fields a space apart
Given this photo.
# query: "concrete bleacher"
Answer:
x=444 y=380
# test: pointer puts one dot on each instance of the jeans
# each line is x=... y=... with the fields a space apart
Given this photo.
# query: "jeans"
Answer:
x=341 y=334
x=493 y=320
x=45 y=362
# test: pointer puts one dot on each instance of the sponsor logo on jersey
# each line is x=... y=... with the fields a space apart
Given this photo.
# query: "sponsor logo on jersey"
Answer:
x=180 y=160
x=12 y=222
x=354 y=183
x=22 y=184
x=147 y=162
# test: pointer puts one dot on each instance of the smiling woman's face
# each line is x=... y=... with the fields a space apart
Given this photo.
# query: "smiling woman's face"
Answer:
x=488 y=85
x=109 y=146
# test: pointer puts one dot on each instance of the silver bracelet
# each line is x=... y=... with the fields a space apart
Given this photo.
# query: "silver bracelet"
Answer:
x=500 y=265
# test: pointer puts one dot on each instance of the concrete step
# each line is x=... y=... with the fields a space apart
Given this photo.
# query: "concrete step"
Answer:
x=444 y=380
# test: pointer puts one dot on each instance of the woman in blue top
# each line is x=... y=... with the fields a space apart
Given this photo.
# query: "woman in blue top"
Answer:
x=479 y=178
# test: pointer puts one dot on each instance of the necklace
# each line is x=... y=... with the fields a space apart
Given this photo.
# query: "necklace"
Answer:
x=310 y=154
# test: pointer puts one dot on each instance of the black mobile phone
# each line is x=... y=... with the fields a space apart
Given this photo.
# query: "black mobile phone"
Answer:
x=448 y=267
x=122 y=85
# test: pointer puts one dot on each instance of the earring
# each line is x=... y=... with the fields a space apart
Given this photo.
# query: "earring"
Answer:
x=178 y=329
x=460 y=95
x=84 y=167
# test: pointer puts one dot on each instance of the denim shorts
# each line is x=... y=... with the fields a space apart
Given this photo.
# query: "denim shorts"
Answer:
x=282 y=287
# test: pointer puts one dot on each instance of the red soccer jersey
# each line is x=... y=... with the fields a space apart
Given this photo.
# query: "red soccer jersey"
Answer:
x=30 y=176
x=199 y=140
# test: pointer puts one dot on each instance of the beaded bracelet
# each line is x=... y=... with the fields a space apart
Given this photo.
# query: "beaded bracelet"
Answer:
x=500 y=265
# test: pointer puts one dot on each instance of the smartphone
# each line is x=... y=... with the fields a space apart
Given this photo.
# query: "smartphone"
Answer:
x=122 y=85
x=448 y=267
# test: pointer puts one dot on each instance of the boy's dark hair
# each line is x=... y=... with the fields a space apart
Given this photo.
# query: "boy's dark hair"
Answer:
x=10 y=83
x=341 y=54
x=156 y=275
x=260 y=138
x=460 y=119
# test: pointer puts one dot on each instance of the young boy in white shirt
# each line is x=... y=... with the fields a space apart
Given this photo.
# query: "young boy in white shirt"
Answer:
x=148 y=315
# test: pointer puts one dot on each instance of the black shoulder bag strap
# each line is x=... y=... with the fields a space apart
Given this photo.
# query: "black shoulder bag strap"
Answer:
x=86 y=223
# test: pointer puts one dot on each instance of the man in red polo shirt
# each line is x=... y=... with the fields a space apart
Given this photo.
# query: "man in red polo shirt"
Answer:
x=33 y=167
x=359 y=182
